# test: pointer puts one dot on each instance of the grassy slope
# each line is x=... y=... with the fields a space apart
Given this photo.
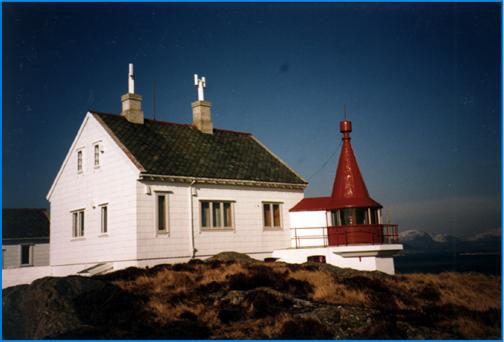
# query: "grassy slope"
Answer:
x=232 y=296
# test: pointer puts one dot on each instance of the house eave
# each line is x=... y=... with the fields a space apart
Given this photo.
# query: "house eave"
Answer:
x=221 y=181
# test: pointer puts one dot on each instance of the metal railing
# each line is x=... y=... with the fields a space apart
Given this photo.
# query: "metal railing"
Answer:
x=299 y=238
x=347 y=235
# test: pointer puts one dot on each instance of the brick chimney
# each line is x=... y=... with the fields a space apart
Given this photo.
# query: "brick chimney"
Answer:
x=131 y=102
x=201 y=109
x=202 y=117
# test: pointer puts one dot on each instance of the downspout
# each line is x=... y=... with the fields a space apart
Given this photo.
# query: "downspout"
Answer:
x=193 y=247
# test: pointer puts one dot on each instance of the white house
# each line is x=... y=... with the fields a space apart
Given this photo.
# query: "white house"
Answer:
x=139 y=192
x=25 y=245
x=25 y=238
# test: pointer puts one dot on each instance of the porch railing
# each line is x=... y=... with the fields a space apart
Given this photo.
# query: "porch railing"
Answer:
x=344 y=236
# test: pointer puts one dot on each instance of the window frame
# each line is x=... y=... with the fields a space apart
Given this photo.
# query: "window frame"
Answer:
x=80 y=160
x=212 y=227
x=30 y=255
x=164 y=194
x=103 y=207
x=78 y=223
x=98 y=145
x=271 y=205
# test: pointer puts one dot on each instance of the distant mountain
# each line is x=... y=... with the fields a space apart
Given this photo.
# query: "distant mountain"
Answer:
x=489 y=234
x=445 y=238
x=416 y=241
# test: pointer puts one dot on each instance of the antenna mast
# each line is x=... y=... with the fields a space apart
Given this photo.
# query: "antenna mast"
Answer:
x=154 y=99
x=200 y=83
x=131 y=80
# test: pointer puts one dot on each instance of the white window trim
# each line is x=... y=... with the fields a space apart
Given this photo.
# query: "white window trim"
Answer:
x=78 y=228
x=101 y=206
x=30 y=255
x=280 y=207
x=166 y=194
x=100 y=151
x=81 y=170
x=221 y=228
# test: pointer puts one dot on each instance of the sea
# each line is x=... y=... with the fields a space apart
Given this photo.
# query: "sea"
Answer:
x=487 y=263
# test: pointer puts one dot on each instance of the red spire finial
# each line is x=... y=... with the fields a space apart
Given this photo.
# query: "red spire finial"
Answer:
x=345 y=126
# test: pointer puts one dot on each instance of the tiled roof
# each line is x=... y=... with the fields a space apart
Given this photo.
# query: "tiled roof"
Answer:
x=25 y=224
x=163 y=148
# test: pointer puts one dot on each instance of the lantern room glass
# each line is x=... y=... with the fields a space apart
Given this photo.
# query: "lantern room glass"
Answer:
x=354 y=216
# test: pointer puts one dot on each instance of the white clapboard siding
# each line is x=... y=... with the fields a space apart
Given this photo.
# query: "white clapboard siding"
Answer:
x=248 y=235
x=12 y=255
x=114 y=182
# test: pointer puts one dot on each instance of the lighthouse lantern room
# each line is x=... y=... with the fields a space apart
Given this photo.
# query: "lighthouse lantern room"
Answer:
x=346 y=228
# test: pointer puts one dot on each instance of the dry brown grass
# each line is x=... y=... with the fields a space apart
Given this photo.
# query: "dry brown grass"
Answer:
x=473 y=291
x=327 y=289
x=271 y=331
x=175 y=293
x=219 y=274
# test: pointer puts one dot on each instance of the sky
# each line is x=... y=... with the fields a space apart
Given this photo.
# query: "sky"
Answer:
x=421 y=84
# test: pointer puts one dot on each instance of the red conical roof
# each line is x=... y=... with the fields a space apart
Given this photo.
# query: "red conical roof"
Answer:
x=349 y=189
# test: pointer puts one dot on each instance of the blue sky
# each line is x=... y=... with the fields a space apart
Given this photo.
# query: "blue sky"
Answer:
x=421 y=83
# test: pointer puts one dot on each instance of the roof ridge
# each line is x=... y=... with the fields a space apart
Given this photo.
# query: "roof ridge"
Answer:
x=232 y=131
x=174 y=123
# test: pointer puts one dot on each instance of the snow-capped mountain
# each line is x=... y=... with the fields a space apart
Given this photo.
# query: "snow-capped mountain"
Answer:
x=445 y=238
x=416 y=241
x=489 y=234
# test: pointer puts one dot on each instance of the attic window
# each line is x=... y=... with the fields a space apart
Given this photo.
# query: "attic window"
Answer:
x=79 y=161
x=96 y=155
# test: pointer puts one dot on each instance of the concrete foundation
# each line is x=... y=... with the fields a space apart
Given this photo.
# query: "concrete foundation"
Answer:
x=362 y=258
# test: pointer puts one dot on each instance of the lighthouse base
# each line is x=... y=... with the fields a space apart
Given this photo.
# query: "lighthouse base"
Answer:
x=362 y=257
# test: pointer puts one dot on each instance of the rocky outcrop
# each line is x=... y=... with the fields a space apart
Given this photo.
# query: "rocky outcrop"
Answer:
x=233 y=296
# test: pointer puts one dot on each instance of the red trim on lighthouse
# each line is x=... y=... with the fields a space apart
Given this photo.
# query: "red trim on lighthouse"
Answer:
x=312 y=204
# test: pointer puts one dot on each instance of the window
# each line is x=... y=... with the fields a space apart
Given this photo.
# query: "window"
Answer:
x=97 y=155
x=162 y=212
x=78 y=223
x=374 y=215
x=360 y=216
x=26 y=254
x=347 y=218
x=216 y=215
x=351 y=216
x=271 y=215
x=79 y=161
x=104 y=219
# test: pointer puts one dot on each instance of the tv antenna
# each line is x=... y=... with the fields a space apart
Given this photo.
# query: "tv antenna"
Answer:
x=154 y=99
x=200 y=83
